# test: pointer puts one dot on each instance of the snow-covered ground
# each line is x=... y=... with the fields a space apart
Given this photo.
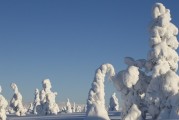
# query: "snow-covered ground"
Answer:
x=62 y=116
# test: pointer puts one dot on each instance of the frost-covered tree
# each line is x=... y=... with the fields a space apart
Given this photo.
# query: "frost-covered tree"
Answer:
x=96 y=102
x=16 y=102
x=68 y=107
x=162 y=94
x=78 y=108
x=113 y=103
x=132 y=84
x=3 y=106
x=47 y=99
x=156 y=92
x=36 y=102
x=30 y=109
x=85 y=108
x=63 y=109
x=74 y=107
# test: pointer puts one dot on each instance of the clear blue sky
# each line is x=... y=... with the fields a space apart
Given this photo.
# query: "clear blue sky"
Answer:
x=67 y=40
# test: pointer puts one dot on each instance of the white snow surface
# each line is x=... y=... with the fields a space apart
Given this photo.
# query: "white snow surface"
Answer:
x=62 y=116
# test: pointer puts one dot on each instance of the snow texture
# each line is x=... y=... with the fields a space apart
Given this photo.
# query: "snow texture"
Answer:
x=16 y=102
x=3 y=106
x=96 y=102
x=162 y=93
x=48 y=104
x=114 y=103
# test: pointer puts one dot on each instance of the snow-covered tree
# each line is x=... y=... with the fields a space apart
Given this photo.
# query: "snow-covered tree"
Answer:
x=132 y=83
x=74 y=107
x=68 y=107
x=30 y=109
x=16 y=102
x=96 y=102
x=36 y=102
x=162 y=94
x=85 y=108
x=78 y=108
x=63 y=109
x=113 y=103
x=156 y=92
x=3 y=106
x=47 y=99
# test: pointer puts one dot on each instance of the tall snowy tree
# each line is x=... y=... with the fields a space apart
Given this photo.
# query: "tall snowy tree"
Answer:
x=36 y=101
x=48 y=103
x=68 y=106
x=16 y=102
x=96 y=102
x=162 y=94
x=113 y=104
x=3 y=106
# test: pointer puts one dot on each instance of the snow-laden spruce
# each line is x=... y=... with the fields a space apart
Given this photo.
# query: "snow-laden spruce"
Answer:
x=96 y=101
x=132 y=84
x=3 y=106
x=162 y=94
x=78 y=109
x=16 y=105
x=74 y=107
x=68 y=106
x=30 y=109
x=48 y=104
x=36 y=101
x=114 y=103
